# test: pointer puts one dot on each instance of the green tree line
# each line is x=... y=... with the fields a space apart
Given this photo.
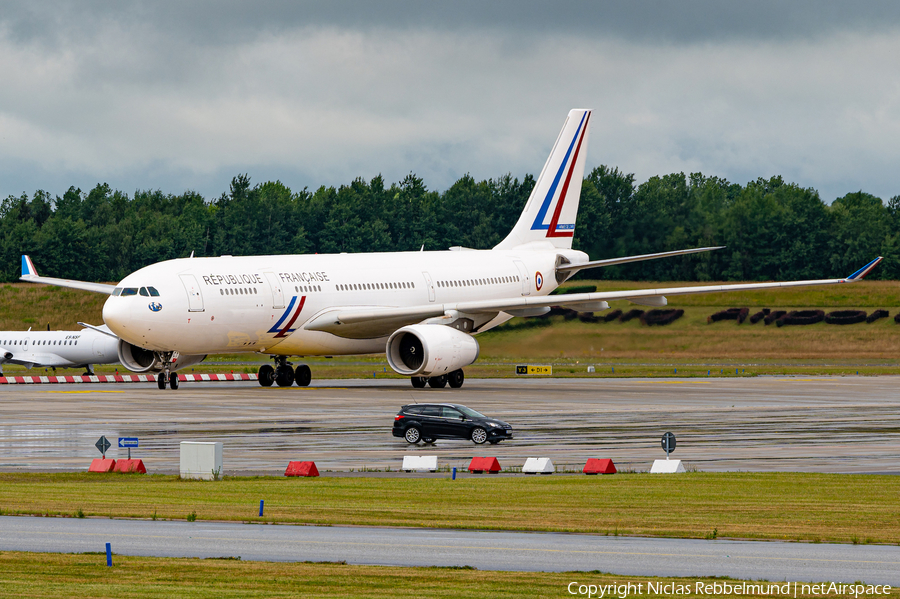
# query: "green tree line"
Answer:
x=771 y=229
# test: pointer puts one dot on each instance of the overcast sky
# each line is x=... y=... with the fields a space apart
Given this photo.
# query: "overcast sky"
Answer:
x=185 y=95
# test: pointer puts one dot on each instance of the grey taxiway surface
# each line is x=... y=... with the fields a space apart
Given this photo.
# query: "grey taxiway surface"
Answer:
x=547 y=552
x=813 y=424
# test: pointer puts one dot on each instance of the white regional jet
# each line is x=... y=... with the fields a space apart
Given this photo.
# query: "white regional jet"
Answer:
x=59 y=349
x=420 y=308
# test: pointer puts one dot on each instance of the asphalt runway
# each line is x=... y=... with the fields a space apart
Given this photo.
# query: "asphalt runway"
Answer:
x=543 y=552
x=821 y=424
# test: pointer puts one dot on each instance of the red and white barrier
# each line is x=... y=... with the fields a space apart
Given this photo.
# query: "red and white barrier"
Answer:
x=301 y=469
x=102 y=465
x=130 y=466
x=598 y=466
x=121 y=378
x=489 y=465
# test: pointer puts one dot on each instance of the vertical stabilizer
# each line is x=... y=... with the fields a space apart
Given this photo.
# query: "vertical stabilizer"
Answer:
x=550 y=212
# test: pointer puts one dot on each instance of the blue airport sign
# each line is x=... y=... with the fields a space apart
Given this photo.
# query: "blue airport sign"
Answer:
x=128 y=441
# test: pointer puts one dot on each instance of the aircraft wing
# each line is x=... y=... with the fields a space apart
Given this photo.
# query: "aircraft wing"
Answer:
x=376 y=322
x=30 y=275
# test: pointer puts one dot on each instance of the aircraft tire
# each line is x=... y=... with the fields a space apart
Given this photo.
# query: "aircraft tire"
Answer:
x=284 y=376
x=266 y=375
x=419 y=382
x=438 y=382
x=173 y=381
x=303 y=376
x=456 y=379
x=161 y=380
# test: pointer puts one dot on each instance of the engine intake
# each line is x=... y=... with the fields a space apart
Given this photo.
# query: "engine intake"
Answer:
x=430 y=350
x=138 y=359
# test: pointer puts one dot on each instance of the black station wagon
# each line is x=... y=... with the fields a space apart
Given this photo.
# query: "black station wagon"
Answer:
x=429 y=421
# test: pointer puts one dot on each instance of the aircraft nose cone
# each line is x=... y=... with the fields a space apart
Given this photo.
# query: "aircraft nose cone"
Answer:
x=115 y=315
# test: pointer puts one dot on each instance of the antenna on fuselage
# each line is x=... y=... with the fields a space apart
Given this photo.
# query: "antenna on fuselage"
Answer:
x=192 y=254
x=422 y=249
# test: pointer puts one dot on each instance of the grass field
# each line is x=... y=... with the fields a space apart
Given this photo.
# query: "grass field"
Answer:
x=783 y=506
x=86 y=575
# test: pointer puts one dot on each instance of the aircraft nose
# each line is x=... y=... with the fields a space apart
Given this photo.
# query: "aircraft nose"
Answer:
x=115 y=315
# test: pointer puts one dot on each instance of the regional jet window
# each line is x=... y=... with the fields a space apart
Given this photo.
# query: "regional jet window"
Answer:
x=129 y=291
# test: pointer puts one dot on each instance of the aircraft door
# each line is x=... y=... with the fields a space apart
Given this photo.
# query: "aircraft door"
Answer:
x=430 y=284
x=195 y=299
x=523 y=274
x=277 y=290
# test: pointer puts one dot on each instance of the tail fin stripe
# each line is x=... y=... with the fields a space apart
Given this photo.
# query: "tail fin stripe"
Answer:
x=539 y=220
x=552 y=232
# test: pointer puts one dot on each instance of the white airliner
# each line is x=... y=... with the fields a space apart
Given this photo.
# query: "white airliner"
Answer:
x=420 y=308
x=59 y=349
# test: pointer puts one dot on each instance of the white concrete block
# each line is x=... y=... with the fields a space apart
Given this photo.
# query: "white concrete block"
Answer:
x=666 y=467
x=201 y=459
x=538 y=466
x=420 y=462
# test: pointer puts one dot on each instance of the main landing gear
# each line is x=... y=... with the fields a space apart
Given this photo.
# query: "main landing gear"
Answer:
x=454 y=379
x=283 y=374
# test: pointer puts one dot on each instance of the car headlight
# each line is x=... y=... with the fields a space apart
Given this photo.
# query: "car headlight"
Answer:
x=493 y=424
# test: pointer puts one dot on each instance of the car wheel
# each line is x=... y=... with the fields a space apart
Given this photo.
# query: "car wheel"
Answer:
x=413 y=434
x=418 y=381
x=479 y=435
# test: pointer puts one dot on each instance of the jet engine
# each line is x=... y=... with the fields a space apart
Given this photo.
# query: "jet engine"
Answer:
x=430 y=350
x=138 y=359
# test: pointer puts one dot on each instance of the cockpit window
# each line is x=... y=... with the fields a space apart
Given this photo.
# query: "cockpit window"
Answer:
x=153 y=291
x=144 y=292
x=129 y=291
x=117 y=291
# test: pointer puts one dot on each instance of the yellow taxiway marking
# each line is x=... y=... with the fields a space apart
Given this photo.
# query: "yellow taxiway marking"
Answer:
x=680 y=382
x=88 y=391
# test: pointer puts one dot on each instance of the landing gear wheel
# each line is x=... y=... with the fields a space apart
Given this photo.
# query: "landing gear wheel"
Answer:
x=413 y=435
x=418 y=381
x=173 y=381
x=456 y=379
x=438 y=382
x=479 y=435
x=266 y=375
x=303 y=376
x=161 y=380
x=284 y=376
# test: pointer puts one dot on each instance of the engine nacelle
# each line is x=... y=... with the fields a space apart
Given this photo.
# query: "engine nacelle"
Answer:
x=430 y=350
x=138 y=359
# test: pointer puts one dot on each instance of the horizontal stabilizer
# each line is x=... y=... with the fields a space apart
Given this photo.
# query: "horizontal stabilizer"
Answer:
x=573 y=268
x=30 y=275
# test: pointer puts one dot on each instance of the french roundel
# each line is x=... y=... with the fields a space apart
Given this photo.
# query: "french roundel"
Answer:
x=538 y=280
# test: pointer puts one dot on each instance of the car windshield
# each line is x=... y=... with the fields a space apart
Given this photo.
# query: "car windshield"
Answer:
x=470 y=412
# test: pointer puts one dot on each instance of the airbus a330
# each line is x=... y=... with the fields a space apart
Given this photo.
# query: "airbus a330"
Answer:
x=420 y=308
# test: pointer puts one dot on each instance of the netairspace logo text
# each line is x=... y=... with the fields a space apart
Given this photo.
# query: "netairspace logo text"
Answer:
x=719 y=589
